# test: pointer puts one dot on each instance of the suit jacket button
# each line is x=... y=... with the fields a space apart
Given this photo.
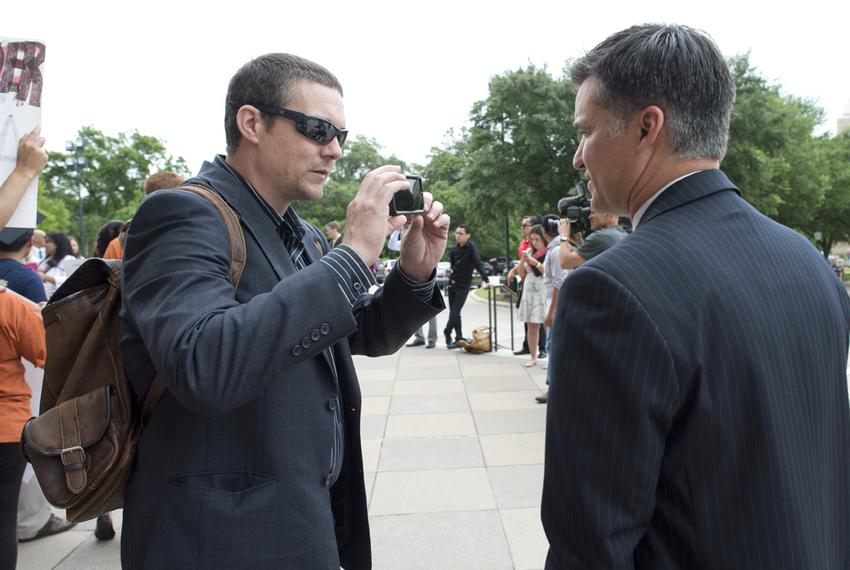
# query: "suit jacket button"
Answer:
x=332 y=404
x=325 y=328
x=358 y=287
x=328 y=478
x=305 y=342
x=314 y=334
x=296 y=350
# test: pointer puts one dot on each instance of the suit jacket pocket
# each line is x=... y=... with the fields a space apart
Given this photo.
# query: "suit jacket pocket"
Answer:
x=224 y=481
x=218 y=520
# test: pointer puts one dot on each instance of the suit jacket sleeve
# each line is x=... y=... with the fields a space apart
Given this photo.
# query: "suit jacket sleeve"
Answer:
x=611 y=404
x=215 y=353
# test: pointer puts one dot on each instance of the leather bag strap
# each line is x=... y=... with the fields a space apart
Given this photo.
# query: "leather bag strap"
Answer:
x=72 y=454
x=238 y=256
x=231 y=223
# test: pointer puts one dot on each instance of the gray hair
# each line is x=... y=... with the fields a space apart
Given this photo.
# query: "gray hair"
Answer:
x=268 y=80
x=677 y=68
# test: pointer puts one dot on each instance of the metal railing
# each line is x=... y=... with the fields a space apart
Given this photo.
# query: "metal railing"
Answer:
x=492 y=317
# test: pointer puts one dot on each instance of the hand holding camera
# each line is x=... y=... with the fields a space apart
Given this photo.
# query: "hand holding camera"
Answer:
x=366 y=221
x=424 y=241
x=409 y=201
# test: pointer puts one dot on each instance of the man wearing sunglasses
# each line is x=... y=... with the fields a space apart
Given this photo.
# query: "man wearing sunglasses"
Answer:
x=251 y=458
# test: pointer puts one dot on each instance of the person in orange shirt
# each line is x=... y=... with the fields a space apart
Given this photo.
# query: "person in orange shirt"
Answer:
x=156 y=181
x=21 y=336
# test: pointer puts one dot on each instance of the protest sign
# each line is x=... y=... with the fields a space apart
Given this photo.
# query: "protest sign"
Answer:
x=21 y=82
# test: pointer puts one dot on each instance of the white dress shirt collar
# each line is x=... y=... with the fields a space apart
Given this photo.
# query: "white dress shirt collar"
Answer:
x=645 y=206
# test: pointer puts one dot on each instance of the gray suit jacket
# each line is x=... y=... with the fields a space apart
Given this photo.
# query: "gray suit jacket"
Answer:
x=698 y=414
x=233 y=465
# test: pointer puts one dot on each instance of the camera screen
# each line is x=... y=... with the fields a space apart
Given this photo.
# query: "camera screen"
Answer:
x=409 y=201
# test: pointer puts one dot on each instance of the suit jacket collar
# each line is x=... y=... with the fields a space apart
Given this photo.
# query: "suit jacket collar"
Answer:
x=254 y=220
x=687 y=190
x=257 y=222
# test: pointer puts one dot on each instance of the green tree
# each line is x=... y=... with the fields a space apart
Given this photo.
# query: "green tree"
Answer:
x=443 y=178
x=111 y=177
x=771 y=149
x=517 y=155
x=831 y=219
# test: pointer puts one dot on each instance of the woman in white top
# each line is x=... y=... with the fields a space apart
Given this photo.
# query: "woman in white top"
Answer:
x=52 y=269
x=532 y=307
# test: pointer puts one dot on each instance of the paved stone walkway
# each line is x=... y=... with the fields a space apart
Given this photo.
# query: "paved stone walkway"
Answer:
x=453 y=454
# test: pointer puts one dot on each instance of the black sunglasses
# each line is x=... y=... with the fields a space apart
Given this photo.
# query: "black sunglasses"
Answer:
x=317 y=130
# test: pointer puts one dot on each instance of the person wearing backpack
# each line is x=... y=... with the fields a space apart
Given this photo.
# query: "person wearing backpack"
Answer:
x=251 y=457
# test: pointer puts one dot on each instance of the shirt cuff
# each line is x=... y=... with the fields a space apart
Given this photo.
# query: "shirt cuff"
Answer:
x=425 y=291
x=352 y=275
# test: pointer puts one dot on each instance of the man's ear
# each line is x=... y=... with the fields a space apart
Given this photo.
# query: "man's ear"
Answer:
x=249 y=121
x=651 y=123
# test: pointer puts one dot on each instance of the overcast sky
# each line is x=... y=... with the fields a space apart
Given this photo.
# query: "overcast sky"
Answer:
x=410 y=70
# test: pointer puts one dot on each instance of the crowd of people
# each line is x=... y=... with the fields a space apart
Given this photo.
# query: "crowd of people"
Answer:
x=697 y=415
x=33 y=265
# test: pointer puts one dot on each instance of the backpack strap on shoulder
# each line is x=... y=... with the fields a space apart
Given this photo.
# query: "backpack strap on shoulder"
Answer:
x=122 y=235
x=152 y=397
x=238 y=256
x=231 y=223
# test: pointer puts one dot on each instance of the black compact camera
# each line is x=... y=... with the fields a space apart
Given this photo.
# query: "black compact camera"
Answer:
x=410 y=201
x=577 y=209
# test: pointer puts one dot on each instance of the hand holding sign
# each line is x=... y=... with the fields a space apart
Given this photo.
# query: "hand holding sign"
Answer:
x=21 y=158
x=31 y=159
x=31 y=156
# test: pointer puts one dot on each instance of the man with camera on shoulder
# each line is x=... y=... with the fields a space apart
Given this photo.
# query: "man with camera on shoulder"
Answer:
x=606 y=233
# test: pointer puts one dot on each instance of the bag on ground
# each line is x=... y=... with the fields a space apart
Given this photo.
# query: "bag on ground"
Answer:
x=480 y=342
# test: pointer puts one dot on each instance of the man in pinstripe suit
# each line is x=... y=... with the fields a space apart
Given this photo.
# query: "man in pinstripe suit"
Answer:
x=699 y=418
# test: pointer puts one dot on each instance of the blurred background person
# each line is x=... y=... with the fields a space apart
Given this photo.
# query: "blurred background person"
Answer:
x=527 y=223
x=164 y=179
x=15 y=245
x=553 y=279
x=52 y=270
x=107 y=233
x=532 y=305
x=464 y=258
x=37 y=251
x=606 y=232
x=34 y=516
x=333 y=233
x=21 y=336
x=75 y=247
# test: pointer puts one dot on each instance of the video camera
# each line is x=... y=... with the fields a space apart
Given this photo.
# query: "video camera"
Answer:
x=576 y=209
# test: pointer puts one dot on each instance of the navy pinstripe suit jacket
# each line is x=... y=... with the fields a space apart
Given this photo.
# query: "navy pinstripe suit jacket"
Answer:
x=698 y=415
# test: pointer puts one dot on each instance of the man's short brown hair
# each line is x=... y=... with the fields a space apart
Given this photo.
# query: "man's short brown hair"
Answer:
x=269 y=80
x=161 y=180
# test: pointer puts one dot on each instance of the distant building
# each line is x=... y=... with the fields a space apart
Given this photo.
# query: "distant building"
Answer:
x=843 y=121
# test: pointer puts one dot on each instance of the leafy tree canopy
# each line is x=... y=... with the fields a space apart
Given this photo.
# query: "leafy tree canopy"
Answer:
x=111 y=171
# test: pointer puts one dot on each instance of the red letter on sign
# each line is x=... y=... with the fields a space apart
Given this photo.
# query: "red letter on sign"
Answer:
x=25 y=58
